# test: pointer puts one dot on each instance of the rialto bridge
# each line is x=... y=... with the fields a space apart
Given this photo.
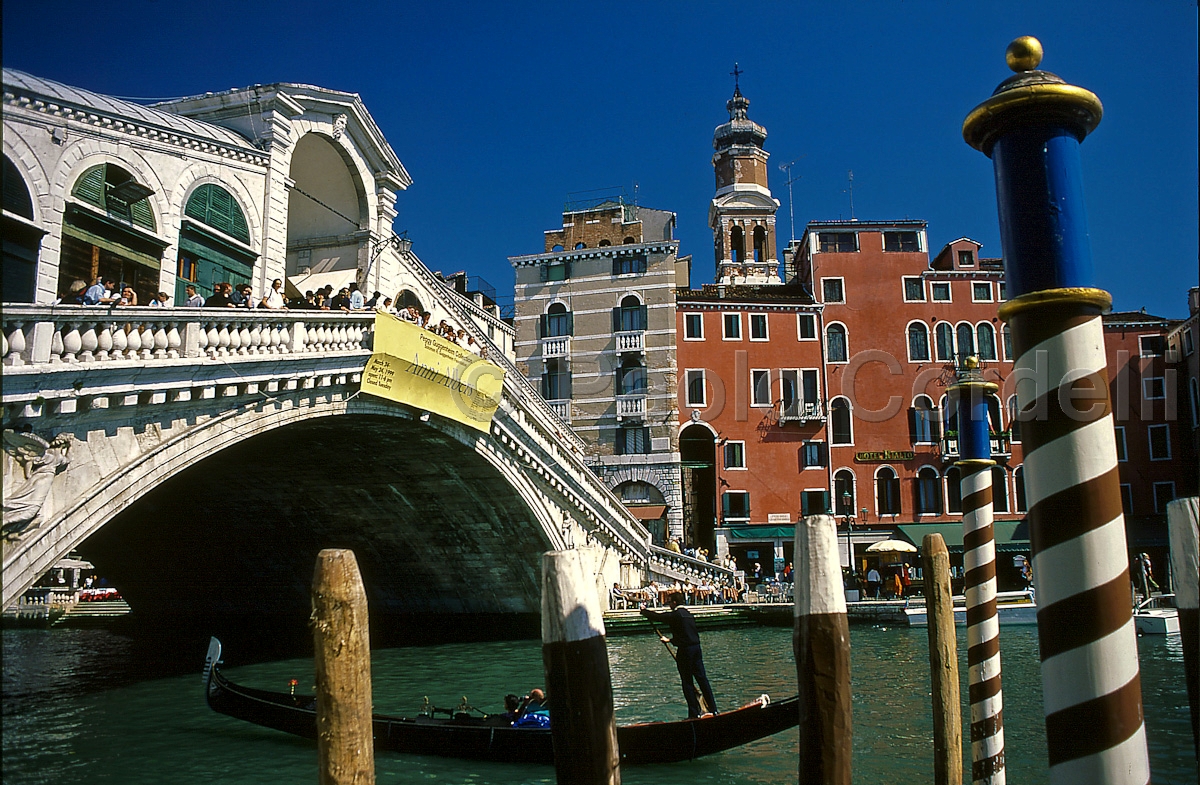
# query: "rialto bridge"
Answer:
x=209 y=454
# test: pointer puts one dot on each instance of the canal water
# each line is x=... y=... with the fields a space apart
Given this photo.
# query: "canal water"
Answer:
x=88 y=706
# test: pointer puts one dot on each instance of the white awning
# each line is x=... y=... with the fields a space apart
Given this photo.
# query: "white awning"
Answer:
x=297 y=285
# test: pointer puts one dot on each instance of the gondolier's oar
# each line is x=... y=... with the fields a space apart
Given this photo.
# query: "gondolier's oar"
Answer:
x=699 y=695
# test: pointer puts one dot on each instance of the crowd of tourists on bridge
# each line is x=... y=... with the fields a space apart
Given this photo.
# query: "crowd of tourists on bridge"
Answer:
x=107 y=291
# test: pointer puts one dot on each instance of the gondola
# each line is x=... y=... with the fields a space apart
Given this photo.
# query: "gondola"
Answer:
x=462 y=735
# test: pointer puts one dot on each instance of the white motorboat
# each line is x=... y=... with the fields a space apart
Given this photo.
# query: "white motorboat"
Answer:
x=1157 y=616
x=1012 y=607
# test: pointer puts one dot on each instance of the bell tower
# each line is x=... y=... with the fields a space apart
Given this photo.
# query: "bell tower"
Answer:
x=742 y=212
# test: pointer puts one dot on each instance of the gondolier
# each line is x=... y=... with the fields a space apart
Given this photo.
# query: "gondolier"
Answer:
x=688 y=657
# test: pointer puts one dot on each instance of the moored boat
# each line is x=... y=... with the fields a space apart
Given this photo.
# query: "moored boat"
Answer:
x=1157 y=616
x=490 y=737
x=1011 y=608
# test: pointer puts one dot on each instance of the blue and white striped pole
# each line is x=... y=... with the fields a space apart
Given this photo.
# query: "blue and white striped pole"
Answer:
x=970 y=394
x=1031 y=128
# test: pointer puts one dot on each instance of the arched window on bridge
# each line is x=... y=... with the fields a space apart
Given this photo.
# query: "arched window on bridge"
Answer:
x=406 y=298
x=214 y=242
x=109 y=231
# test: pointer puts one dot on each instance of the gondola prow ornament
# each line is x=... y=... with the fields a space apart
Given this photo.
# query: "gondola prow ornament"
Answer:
x=1031 y=127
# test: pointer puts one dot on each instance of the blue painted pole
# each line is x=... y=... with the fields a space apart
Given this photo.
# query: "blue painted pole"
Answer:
x=970 y=396
x=1032 y=127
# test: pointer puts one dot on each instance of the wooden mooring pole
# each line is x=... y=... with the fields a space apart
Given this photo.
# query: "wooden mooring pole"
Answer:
x=342 y=643
x=578 y=683
x=943 y=663
x=821 y=644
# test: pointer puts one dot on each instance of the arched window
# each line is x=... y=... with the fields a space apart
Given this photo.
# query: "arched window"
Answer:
x=631 y=376
x=557 y=248
x=887 y=491
x=836 y=350
x=629 y=241
x=22 y=241
x=839 y=422
x=603 y=244
x=999 y=489
x=949 y=416
x=212 y=205
x=945 y=341
x=954 y=489
x=924 y=421
x=995 y=423
x=1019 y=488
x=918 y=342
x=557 y=321
x=406 y=298
x=843 y=486
x=760 y=244
x=737 y=244
x=928 y=491
x=987 y=341
x=1008 y=350
x=966 y=341
x=206 y=256
x=580 y=246
x=115 y=191
x=631 y=315
x=1014 y=423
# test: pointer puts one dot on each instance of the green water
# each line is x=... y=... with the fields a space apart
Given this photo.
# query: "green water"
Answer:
x=75 y=709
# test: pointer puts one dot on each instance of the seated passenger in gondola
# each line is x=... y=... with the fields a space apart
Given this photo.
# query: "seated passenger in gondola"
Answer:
x=534 y=713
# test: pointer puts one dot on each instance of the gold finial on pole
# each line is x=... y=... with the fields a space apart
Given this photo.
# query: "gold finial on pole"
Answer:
x=1024 y=54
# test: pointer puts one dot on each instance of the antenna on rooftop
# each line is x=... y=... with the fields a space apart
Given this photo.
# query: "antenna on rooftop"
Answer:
x=791 y=212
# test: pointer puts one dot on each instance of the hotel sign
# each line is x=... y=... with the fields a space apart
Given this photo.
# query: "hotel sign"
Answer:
x=884 y=455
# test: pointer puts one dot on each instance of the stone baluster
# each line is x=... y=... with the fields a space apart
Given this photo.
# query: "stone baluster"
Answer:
x=223 y=340
x=72 y=341
x=160 y=339
x=235 y=339
x=273 y=338
x=120 y=342
x=104 y=341
x=174 y=341
x=133 y=342
x=246 y=344
x=56 y=345
x=257 y=344
x=16 y=344
x=89 y=342
x=212 y=340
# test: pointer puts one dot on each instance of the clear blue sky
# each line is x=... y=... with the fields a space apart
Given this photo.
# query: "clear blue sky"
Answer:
x=499 y=110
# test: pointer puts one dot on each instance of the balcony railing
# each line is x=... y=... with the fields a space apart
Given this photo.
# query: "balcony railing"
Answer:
x=631 y=407
x=1001 y=447
x=562 y=409
x=631 y=341
x=558 y=346
x=801 y=412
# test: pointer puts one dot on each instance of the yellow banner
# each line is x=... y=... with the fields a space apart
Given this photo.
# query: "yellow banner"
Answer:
x=412 y=365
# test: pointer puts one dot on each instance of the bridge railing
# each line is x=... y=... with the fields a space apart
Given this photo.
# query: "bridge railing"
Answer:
x=70 y=334
x=684 y=568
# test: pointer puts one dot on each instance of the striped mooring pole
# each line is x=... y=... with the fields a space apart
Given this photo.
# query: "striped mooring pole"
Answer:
x=970 y=393
x=1031 y=127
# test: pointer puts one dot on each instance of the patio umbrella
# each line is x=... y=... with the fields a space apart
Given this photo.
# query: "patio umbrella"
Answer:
x=892 y=546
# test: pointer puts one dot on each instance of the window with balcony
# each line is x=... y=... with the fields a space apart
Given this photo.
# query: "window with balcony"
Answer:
x=907 y=242
x=914 y=290
x=940 y=292
x=631 y=377
x=629 y=264
x=633 y=440
x=735 y=455
x=758 y=327
x=928 y=491
x=836 y=350
x=833 y=290
x=801 y=393
x=556 y=379
x=806 y=327
x=760 y=388
x=731 y=326
x=965 y=336
x=838 y=242
x=693 y=327
x=840 y=431
x=696 y=389
x=918 y=342
x=887 y=492
x=735 y=507
x=630 y=316
x=1160 y=442
x=557 y=321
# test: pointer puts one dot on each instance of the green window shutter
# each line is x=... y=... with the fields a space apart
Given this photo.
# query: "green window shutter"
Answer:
x=213 y=205
x=643 y=317
x=570 y=323
x=197 y=204
x=542 y=328
x=141 y=214
x=90 y=187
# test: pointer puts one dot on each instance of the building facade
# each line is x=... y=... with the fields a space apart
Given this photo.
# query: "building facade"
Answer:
x=595 y=329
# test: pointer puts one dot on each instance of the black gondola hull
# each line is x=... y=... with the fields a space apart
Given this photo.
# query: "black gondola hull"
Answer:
x=474 y=738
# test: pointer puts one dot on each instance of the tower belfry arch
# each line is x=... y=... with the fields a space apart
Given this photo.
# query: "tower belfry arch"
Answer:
x=742 y=212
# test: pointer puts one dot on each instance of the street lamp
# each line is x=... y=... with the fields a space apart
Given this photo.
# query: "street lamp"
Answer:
x=848 y=519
